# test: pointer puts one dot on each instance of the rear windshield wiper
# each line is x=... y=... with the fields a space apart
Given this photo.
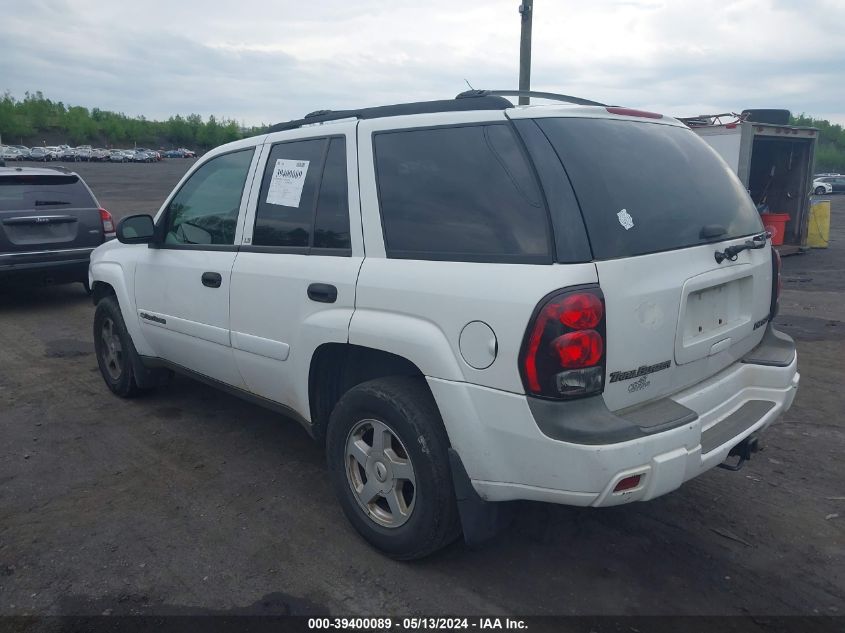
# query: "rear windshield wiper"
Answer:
x=44 y=203
x=731 y=252
x=711 y=231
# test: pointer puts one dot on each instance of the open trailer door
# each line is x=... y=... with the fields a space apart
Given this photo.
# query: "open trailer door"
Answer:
x=775 y=163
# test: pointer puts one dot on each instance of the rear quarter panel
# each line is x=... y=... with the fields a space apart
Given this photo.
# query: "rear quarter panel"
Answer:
x=418 y=308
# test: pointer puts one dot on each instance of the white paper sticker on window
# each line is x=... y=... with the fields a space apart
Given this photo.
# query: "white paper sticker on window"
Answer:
x=287 y=182
x=625 y=219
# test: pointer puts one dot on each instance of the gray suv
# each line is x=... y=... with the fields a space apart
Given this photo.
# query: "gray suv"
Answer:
x=50 y=222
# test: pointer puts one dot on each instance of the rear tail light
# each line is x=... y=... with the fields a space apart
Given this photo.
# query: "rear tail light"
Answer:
x=563 y=351
x=108 y=223
x=777 y=283
x=579 y=349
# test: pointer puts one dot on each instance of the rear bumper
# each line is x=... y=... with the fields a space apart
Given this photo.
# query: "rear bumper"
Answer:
x=56 y=266
x=507 y=456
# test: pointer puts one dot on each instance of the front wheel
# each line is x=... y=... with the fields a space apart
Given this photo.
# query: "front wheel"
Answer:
x=820 y=191
x=116 y=355
x=388 y=460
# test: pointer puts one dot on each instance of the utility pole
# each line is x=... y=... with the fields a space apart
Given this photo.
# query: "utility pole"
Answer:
x=526 y=10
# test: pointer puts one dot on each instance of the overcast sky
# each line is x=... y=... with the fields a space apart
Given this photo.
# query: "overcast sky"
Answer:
x=271 y=60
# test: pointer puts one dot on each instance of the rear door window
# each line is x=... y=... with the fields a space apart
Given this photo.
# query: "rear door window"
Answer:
x=645 y=187
x=462 y=193
x=44 y=193
x=285 y=213
x=331 y=225
x=304 y=198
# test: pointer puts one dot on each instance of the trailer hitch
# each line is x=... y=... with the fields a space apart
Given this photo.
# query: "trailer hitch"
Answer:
x=743 y=451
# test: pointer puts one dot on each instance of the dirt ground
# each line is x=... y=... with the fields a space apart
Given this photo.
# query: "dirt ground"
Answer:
x=191 y=501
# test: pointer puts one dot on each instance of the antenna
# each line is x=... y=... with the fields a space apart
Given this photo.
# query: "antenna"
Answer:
x=468 y=84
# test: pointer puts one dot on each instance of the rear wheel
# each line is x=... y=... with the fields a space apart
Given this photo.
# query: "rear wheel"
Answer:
x=116 y=355
x=820 y=191
x=388 y=460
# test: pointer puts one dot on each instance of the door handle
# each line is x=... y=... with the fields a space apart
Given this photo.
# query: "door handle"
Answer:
x=212 y=280
x=324 y=293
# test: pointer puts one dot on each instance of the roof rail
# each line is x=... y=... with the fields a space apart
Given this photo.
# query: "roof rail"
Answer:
x=476 y=102
x=529 y=93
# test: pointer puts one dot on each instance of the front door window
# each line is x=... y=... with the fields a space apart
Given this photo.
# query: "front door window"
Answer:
x=205 y=210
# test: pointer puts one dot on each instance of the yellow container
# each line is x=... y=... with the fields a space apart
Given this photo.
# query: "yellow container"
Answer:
x=818 y=232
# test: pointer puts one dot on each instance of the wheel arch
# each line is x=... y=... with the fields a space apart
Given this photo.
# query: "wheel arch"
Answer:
x=338 y=367
x=110 y=279
x=101 y=290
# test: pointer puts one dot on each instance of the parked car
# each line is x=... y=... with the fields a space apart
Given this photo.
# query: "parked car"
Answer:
x=24 y=151
x=117 y=156
x=68 y=154
x=144 y=156
x=53 y=152
x=822 y=187
x=50 y=222
x=151 y=155
x=466 y=302
x=83 y=153
x=39 y=154
x=187 y=153
x=173 y=153
x=10 y=153
x=836 y=183
x=99 y=154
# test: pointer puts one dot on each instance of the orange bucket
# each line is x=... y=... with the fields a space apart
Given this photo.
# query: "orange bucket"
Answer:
x=775 y=224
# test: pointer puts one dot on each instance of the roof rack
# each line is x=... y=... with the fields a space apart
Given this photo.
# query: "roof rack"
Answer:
x=465 y=101
x=553 y=96
x=476 y=102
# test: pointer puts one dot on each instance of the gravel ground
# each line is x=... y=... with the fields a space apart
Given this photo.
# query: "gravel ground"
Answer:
x=191 y=501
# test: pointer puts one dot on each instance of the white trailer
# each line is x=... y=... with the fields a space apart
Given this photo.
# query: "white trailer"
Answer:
x=773 y=160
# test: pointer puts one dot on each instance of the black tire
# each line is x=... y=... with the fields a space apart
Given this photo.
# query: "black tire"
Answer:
x=406 y=407
x=820 y=191
x=119 y=377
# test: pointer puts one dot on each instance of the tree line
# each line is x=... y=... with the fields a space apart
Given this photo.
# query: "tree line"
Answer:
x=830 y=151
x=30 y=120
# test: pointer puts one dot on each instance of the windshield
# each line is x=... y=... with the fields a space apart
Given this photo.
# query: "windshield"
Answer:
x=645 y=187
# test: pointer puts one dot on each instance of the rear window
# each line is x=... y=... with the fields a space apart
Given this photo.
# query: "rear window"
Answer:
x=43 y=192
x=645 y=187
x=463 y=193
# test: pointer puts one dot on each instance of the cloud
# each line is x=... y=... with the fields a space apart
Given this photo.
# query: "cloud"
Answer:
x=269 y=61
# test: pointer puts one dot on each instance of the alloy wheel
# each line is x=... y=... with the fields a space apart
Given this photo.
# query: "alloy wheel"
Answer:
x=380 y=473
x=112 y=349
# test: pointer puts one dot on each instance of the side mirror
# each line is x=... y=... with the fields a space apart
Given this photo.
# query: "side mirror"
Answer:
x=136 y=229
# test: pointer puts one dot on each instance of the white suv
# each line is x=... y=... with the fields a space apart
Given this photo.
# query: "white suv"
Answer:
x=467 y=302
